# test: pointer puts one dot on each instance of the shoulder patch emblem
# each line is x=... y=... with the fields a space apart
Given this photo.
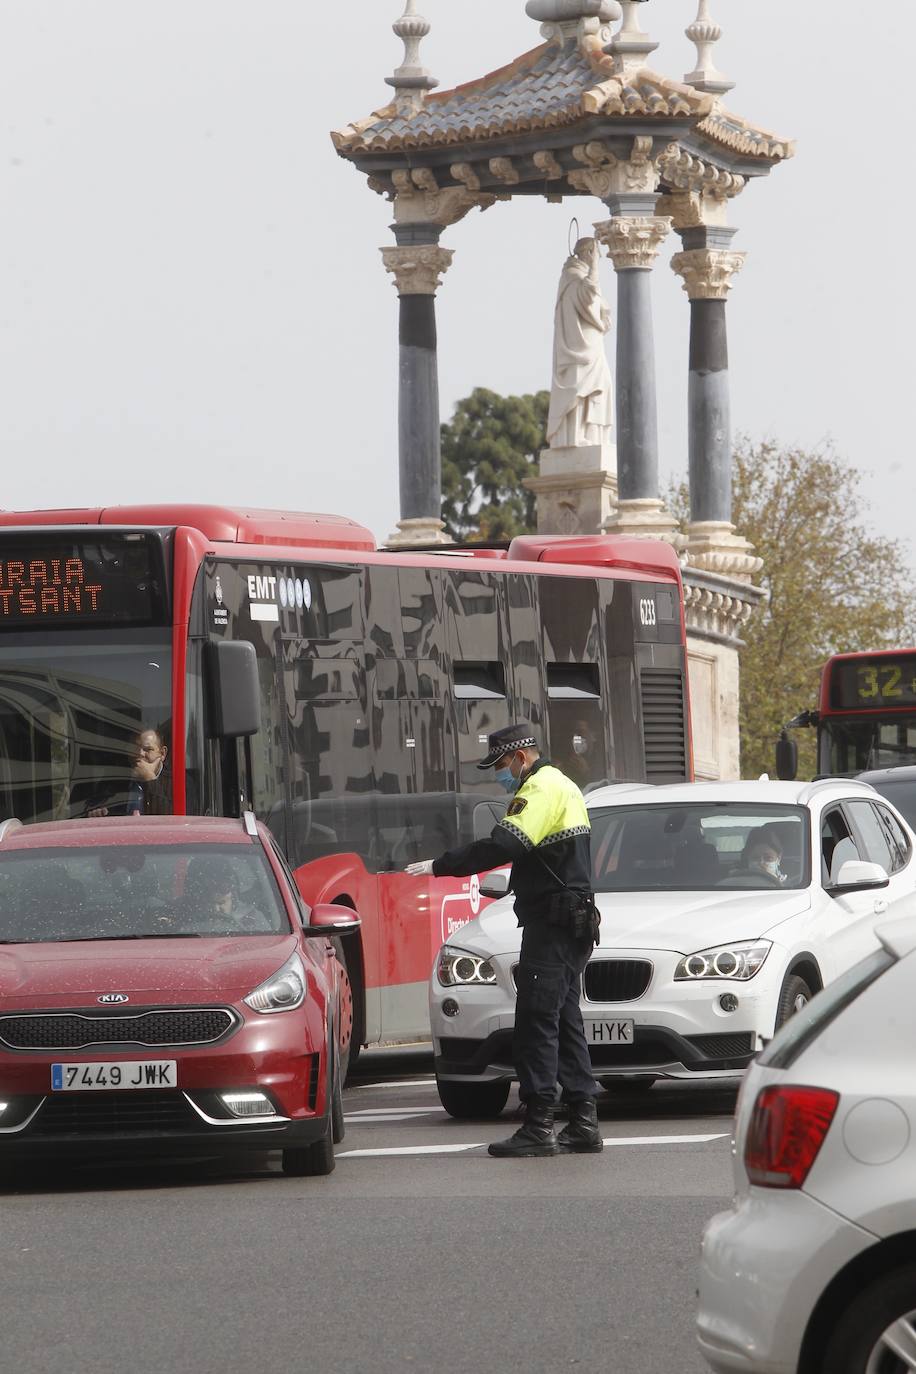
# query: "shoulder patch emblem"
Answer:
x=517 y=807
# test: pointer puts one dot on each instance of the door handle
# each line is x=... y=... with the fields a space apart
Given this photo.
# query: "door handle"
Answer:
x=880 y=905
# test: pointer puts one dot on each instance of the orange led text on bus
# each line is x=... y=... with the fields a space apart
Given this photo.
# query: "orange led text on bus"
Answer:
x=47 y=586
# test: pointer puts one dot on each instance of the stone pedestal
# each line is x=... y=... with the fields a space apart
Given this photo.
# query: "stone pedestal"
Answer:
x=576 y=489
x=418 y=532
x=714 y=547
x=717 y=610
x=644 y=518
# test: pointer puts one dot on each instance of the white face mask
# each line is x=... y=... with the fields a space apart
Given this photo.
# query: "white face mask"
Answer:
x=579 y=744
x=770 y=866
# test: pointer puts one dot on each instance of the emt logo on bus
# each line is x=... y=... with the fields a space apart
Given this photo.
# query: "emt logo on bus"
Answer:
x=47 y=587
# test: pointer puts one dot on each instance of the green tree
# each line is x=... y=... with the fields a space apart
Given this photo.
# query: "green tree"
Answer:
x=833 y=586
x=490 y=445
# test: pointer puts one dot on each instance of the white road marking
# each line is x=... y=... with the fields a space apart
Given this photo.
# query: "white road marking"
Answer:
x=385 y=1120
x=392 y=1112
x=408 y=1150
x=412 y=1150
x=401 y=1083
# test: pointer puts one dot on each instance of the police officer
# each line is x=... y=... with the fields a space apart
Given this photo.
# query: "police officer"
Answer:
x=545 y=835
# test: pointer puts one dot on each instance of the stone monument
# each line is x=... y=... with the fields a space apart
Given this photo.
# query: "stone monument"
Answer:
x=577 y=485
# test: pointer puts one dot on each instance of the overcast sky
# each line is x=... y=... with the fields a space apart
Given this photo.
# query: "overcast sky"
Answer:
x=192 y=301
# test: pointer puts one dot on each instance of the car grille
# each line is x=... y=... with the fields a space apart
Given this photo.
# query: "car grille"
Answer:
x=115 y=1113
x=77 y=1030
x=616 y=980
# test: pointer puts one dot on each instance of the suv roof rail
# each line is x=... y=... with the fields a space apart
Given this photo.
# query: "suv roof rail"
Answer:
x=7 y=826
x=250 y=821
x=820 y=783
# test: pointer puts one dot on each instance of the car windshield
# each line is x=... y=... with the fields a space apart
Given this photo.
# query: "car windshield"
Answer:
x=128 y=892
x=691 y=847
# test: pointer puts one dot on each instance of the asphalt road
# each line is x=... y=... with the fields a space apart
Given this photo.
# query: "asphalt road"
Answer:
x=418 y=1252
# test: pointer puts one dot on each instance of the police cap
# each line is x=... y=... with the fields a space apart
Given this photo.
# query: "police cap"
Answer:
x=506 y=741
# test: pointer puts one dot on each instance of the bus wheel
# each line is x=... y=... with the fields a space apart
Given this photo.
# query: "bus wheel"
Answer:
x=350 y=1012
x=473 y=1101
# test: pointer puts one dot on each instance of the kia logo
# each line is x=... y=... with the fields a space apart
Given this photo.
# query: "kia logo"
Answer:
x=108 y=997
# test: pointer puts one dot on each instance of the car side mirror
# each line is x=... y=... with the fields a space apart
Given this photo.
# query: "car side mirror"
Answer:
x=857 y=876
x=786 y=758
x=234 y=689
x=495 y=885
x=329 y=919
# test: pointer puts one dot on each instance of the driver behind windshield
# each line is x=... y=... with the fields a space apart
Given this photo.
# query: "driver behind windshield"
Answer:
x=763 y=854
x=214 y=903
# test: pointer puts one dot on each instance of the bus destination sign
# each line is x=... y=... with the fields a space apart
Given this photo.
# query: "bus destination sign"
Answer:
x=59 y=580
x=864 y=684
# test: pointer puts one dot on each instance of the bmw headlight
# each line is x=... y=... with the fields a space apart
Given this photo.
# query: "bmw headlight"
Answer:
x=457 y=968
x=284 y=991
x=737 y=961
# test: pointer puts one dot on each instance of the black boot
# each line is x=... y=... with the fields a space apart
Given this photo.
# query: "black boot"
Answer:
x=532 y=1140
x=582 y=1136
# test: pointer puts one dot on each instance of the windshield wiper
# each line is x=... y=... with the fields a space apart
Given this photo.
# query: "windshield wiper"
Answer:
x=95 y=939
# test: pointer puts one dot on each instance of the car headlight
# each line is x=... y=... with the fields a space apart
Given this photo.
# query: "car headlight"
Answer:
x=458 y=968
x=284 y=991
x=738 y=961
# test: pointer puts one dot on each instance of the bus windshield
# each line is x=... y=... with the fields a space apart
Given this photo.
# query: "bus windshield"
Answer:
x=77 y=712
x=854 y=744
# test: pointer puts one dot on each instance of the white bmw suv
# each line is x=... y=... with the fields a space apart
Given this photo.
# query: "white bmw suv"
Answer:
x=725 y=907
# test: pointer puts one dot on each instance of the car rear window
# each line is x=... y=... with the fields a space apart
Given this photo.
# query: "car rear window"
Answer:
x=801 y=1030
x=122 y=892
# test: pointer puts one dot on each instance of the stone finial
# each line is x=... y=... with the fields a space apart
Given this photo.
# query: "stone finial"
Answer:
x=705 y=33
x=630 y=45
x=411 y=81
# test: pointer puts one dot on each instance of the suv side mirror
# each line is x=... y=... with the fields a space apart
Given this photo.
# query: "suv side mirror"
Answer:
x=329 y=919
x=786 y=757
x=234 y=689
x=857 y=876
x=495 y=885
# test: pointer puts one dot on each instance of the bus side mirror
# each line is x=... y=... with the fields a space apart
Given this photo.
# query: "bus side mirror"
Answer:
x=234 y=689
x=786 y=758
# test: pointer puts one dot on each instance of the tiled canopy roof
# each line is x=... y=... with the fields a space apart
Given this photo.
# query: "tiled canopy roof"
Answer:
x=554 y=85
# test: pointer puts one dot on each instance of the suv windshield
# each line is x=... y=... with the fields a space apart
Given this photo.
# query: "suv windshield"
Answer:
x=695 y=848
x=125 y=892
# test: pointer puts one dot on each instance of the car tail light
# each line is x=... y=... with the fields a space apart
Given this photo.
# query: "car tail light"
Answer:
x=787 y=1130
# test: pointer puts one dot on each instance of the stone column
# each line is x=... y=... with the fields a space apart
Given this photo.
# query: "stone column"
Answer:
x=417 y=264
x=629 y=188
x=707 y=271
x=633 y=239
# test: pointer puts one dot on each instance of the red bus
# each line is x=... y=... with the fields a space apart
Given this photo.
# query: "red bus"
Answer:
x=342 y=693
x=867 y=714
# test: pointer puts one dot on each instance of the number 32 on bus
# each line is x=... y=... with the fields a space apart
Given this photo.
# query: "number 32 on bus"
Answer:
x=342 y=692
x=867 y=714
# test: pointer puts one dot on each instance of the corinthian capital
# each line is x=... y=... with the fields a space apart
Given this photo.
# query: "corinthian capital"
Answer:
x=417 y=268
x=633 y=241
x=707 y=272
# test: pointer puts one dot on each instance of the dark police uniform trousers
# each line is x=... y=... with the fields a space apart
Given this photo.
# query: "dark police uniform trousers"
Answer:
x=546 y=836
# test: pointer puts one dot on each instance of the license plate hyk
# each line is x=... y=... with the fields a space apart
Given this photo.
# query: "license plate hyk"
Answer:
x=609 y=1032
x=128 y=1074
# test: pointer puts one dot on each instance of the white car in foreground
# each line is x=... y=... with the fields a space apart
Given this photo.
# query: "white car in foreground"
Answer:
x=703 y=954
x=813 y=1270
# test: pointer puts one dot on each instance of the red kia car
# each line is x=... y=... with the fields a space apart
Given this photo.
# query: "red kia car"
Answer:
x=163 y=986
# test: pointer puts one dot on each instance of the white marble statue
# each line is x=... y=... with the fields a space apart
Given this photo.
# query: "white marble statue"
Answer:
x=582 y=394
